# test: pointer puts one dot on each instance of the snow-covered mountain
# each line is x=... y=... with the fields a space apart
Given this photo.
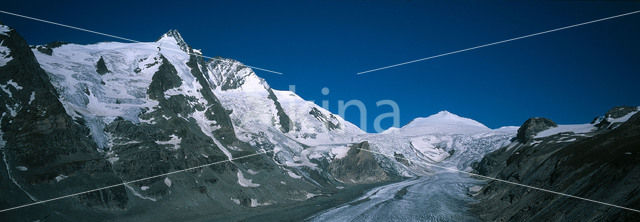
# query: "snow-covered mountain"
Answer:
x=153 y=108
x=442 y=122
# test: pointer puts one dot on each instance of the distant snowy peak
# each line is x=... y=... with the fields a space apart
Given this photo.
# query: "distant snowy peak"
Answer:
x=447 y=117
x=442 y=122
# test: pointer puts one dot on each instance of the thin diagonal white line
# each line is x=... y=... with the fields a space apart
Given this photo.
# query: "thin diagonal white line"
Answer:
x=498 y=42
x=505 y=181
x=122 y=38
x=132 y=181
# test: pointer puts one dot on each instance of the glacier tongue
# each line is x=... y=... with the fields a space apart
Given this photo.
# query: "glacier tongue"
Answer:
x=443 y=138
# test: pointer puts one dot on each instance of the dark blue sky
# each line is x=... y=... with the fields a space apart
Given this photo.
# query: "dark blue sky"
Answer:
x=569 y=76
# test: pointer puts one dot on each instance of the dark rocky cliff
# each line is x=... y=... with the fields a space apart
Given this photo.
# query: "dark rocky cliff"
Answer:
x=604 y=167
x=45 y=153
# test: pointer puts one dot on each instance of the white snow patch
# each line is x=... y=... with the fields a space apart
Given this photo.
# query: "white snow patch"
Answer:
x=32 y=97
x=293 y=175
x=113 y=159
x=255 y=203
x=236 y=201
x=311 y=195
x=175 y=141
x=143 y=188
x=244 y=181
x=4 y=54
x=566 y=140
x=340 y=152
x=60 y=177
x=4 y=30
x=574 y=128
x=135 y=193
x=5 y=87
x=475 y=189
x=623 y=118
x=12 y=109
x=14 y=84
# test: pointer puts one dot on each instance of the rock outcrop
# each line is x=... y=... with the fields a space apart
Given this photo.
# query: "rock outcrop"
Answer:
x=358 y=166
x=533 y=126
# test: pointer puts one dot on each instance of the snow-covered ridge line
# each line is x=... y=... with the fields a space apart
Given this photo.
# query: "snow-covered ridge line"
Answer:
x=583 y=129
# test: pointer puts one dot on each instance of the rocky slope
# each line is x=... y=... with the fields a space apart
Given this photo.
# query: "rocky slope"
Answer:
x=597 y=161
x=44 y=151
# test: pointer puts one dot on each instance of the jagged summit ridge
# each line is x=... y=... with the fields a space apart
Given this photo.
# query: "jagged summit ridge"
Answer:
x=229 y=74
x=174 y=37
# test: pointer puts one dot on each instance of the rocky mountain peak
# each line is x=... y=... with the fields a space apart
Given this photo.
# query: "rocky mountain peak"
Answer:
x=174 y=37
x=614 y=116
x=620 y=111
x=533 y=126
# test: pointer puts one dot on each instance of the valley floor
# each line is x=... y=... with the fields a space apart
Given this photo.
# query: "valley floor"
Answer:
x=442 y=196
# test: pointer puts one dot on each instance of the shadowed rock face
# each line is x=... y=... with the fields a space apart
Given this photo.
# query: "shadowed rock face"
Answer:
x=533 y=126
x=329 y=121
x=48 y=48
x=602 y=168
x=101 y=67
x=45 y=153
x=358 y=167
x=285 y=121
